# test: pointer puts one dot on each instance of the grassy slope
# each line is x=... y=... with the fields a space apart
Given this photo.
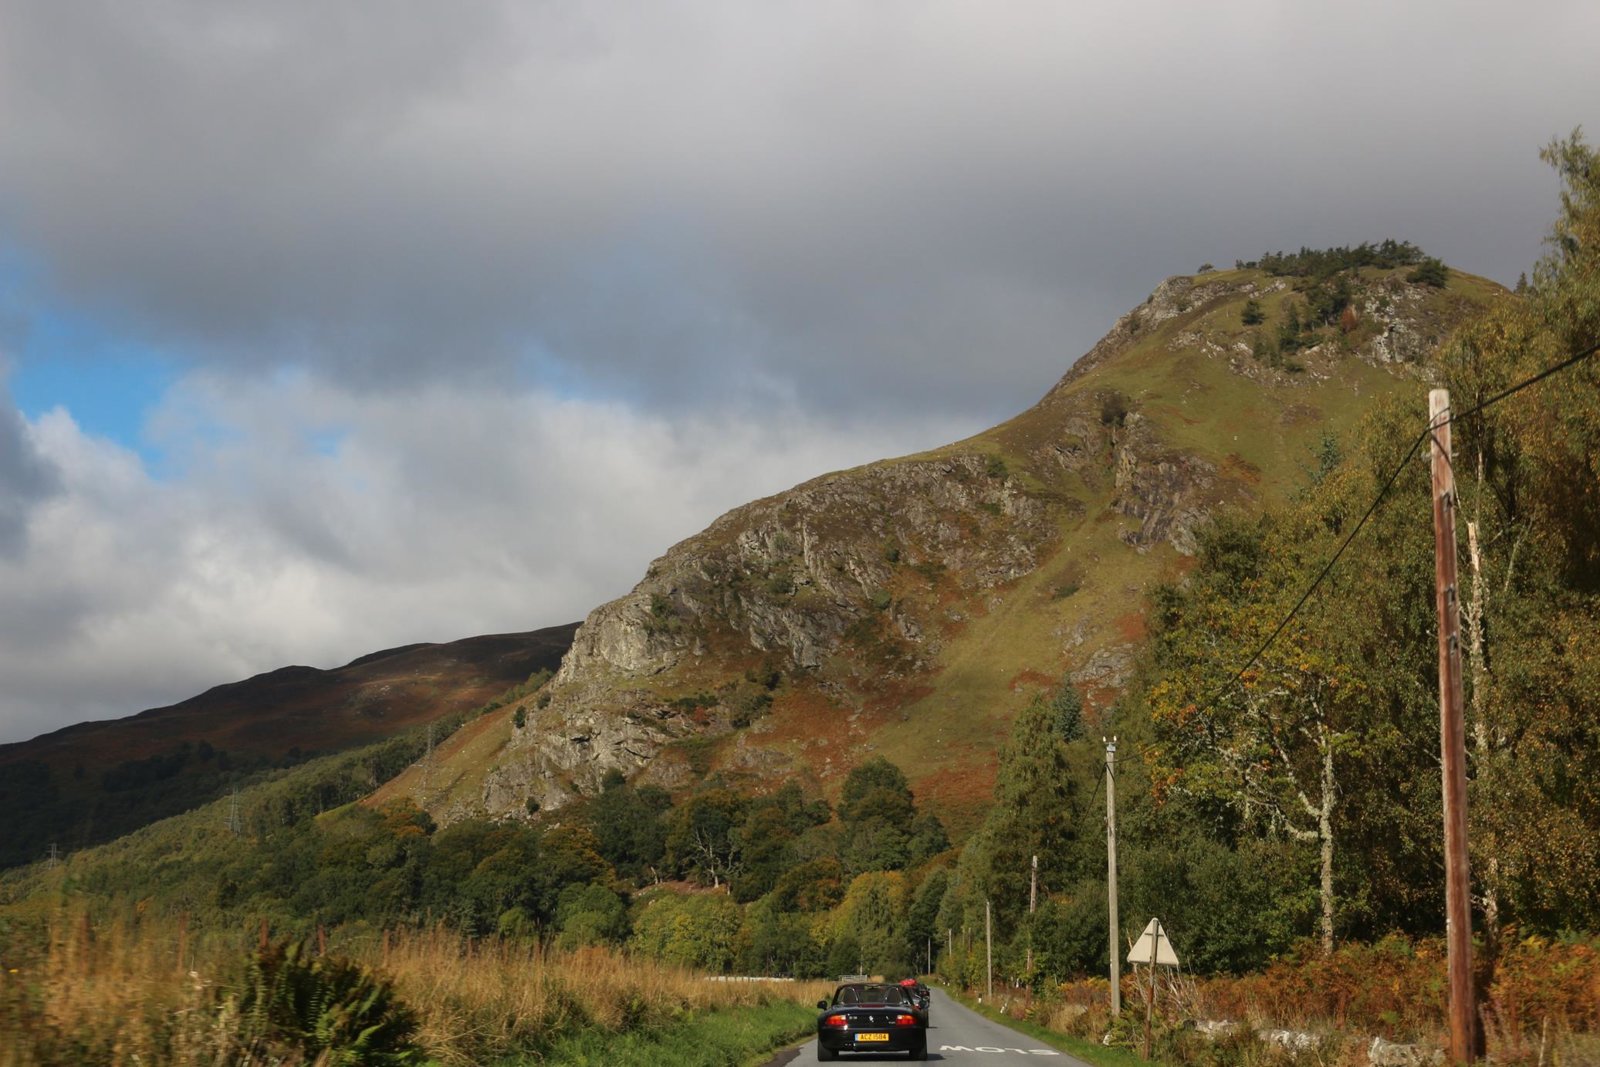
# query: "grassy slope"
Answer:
x=1261 y=431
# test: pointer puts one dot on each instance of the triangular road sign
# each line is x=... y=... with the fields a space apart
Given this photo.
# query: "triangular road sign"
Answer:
x=1154 y=939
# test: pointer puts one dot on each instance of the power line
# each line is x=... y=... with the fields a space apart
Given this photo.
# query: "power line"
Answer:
x=1520 y=386
x=1474 y=412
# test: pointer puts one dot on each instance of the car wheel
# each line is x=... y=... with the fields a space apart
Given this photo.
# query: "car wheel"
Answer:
x=921 y=1051
x=824 y=1054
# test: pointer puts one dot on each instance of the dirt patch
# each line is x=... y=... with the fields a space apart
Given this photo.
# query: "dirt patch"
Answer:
x=892 y=697
x=1240 y=469
x=1295 y=414
x=960 y=793
x=1031 y=679
x=801 y=715
x=1132 y=627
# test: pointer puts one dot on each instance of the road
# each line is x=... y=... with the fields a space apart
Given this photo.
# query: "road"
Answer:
x=956 y=1035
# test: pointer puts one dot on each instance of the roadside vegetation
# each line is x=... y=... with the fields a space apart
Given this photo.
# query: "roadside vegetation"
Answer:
x=1541 y=1005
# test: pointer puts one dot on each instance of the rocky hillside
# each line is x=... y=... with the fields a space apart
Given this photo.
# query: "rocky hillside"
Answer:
x=907 y=608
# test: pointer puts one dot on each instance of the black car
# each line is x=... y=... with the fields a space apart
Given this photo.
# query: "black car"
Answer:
x=871 y=1017
x=919 y=993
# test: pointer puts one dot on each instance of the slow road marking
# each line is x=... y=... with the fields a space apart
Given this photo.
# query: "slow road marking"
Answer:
x=995 y=1048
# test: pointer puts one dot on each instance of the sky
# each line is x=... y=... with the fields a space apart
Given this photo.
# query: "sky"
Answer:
x=326 y=328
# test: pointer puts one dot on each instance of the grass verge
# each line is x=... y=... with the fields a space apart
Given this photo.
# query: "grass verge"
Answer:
x=715 y=1039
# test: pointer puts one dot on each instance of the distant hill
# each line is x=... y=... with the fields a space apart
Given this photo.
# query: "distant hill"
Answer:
x=95 y=781
x=908 y=608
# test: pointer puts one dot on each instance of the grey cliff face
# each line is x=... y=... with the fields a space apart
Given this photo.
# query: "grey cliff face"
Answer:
x=788 y=577
x=790 y=574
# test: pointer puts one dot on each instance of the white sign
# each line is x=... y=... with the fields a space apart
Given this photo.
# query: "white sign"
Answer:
x=1153 y=940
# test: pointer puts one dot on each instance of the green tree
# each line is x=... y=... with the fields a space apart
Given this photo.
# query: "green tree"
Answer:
x=881 y=826
x=702 y=836
x=698 y=930
x=1067 y=708
x=590 y=915
x=872 y=917
x=629 y=827
x=1526 y=479
x=1430 y=272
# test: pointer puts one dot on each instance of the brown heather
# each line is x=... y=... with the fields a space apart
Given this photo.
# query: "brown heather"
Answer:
x=1540 y=1007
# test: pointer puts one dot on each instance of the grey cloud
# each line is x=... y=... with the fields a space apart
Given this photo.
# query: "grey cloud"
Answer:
x=26 y=478
x=923 y=205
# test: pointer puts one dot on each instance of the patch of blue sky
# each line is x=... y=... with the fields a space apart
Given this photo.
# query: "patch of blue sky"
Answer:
x=108 y=384
x=540 y=370
x=327 y=442
x=54 y=357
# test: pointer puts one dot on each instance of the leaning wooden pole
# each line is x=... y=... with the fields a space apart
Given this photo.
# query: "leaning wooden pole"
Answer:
x=1452 y=740
x=1115 y=937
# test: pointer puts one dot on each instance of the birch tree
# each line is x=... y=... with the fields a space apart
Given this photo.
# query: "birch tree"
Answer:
x=1268 y=743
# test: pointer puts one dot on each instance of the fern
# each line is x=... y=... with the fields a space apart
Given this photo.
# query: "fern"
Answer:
x=331 y=1009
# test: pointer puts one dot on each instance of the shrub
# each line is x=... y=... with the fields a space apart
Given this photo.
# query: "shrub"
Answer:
x=328 y=1008
x=1252 y=314
x=1430 y=271
x=1113 y=409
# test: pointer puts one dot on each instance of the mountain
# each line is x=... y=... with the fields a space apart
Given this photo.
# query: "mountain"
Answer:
x=98 y=780
x=908 y=608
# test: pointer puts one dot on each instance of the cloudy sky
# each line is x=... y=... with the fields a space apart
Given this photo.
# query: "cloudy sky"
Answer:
x=330 y=327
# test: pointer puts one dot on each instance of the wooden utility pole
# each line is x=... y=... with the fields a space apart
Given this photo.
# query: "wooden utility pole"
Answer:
x=1111 y=875
x=988 y=947
x=1452 y=740
x=1033 y=900
x=1150 y=1006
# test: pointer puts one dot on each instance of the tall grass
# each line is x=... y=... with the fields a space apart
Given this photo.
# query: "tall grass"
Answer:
x=490 y=1000
x=76 y=993
x=131 y=992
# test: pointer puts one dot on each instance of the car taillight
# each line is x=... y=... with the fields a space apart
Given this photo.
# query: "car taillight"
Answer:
x=905 y=1020
x=838 y=1022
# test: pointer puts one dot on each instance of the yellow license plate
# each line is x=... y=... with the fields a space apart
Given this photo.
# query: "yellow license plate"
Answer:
x=872 y=1037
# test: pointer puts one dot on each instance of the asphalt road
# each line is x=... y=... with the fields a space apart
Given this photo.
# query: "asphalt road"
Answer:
x=956 y=1035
